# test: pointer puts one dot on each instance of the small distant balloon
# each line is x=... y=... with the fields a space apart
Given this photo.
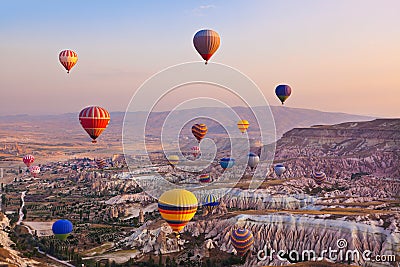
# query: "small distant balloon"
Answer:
x=68 y=59
x=205 y=178
x=210 y=202
x=195 y=151
x=283 y=91
x=62 y=229
x=101 y=163
x=94 y=121
x=173 y=160
x=34 y=170
x=206 y=43
x=199 y=130
x=279 y=169
x=227 y=163
x=243 y=125
x=28 y=160
x=319 y=177
x=254 y=159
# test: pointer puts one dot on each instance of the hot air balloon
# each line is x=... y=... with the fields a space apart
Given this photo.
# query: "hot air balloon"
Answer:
x=279 y=169
x=28 y=160
x=94 y=120
x=253 y=160
x=206 y=43
x=195 y=151
x=210 y=202
x=283 y=91
x=199 y=131
x=205 y=178
x=62 y=229
x=101 y=163
x=242 y=239
x=177 y=207
x=243 y=125
x=319 y=177
x=34 y=170
x=173 y=160
x=226 y=163
x=68 y=59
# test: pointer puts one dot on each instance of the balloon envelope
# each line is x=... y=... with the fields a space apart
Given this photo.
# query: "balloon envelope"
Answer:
x=283 y=91
x=210 y=202
x=28 y=160
x=195 y=151
x=173 y=160
x=227 y=163
x=204 y=178
x=206 y=43
x=243 y=125
x=177 y=207
x=242 y=239
x=94 y=121
x=101 y=163
x=68 y=59
x=254 y=159
x=279 y=169
x=199 y=130
x=319 y=177
x=34 y=170
x=62 y=229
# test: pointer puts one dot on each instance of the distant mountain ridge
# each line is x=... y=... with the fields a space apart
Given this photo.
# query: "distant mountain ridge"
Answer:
x=286 y=118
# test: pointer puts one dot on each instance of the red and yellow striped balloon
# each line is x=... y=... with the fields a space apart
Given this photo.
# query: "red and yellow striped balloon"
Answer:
x=199 y=130
x=68 y=59
x=177 y=207
x=243 y=125
x=94 y=120
x=206 y=43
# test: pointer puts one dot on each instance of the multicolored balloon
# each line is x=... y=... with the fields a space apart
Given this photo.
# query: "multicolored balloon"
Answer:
x=94 y=121
x=210 y=202
x=254 y=159
x=101 y=163
x=173 y=160
x=68 y=59
x=206 y=43
x=319 y=177
x=62 y=229
x=195 y=151
x=227 y=163
x=28 y=160
x=199 y=130
x=205 y=178
x=34 y=170
x=177 y=207
x=279 y=169
x=242 y=239
x=243 y=125
x=283 y=92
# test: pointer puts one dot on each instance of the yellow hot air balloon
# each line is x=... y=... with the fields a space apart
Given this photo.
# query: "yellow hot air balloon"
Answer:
x=173 y=160
x=243 y=125
x=177 y=207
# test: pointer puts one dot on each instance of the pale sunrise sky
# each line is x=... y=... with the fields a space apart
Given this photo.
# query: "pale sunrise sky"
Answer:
x=337 y=55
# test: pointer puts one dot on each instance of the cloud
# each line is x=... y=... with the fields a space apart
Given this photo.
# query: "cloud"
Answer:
x=206 y=7
x=200 y=10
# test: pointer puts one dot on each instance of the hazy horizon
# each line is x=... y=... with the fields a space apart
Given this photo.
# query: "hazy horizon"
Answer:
x=168 y=110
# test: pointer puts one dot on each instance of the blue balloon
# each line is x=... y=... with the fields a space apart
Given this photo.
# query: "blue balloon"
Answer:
x=227 y=163
x=62 y=227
